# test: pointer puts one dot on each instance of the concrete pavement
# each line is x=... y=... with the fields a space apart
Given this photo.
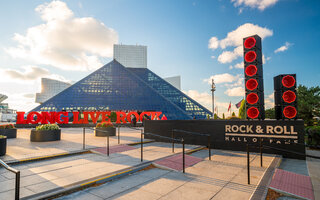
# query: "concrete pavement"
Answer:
x=43 y=176
x=71 y=140
x=225 y=177
x=314 y=171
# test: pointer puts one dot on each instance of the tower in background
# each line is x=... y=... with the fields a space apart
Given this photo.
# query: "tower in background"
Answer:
x=131 y=56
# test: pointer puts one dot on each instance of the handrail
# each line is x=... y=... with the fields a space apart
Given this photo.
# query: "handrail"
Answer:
x=169 y=138
x=5 y=165
x=301 y=154
x=173 y=139
x=193 y=133
x=17 y=172
x=189 y=132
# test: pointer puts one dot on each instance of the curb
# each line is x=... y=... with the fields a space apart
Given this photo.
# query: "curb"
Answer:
x=61 y=191
x=22 y=161
x=68 y=189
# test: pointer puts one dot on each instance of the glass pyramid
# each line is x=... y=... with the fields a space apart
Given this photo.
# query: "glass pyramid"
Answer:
x=114 y=87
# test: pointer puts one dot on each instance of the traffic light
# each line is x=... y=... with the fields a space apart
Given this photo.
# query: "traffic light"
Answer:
x=285 y=96
x=253 y=77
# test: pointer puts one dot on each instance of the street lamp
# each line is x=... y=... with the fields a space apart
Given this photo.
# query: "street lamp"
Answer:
x=213 y=88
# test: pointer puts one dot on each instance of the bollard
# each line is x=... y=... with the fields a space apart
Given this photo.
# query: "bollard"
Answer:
x=172 y=141
x=141 y=147
x=84 y=138
x=118 y=134
x=108 y=144
x=260 y=152
x=17 y=193
x=248 y=164
x=209 y=141
x=183 y=158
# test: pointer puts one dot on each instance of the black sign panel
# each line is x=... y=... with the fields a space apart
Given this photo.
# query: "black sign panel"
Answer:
x=234 y=135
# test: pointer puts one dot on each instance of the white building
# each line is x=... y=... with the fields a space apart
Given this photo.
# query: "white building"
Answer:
x=50 y=88
x=175 y=81
x=132 y=56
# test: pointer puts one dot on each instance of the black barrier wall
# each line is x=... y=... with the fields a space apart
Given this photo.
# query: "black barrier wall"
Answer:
x=234 y=135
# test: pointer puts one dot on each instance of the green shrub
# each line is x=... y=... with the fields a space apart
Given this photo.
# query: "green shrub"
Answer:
x=2 y=136
x=113 y=116
x=104 y=125
x=47 y=127
x=7 y=126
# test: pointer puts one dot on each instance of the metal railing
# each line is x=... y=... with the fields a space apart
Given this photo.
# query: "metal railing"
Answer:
x=17 y=172
x=263 y=146
x=168 y=138
x=192 y=133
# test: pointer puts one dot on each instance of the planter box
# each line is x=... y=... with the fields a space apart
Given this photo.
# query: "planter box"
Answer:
x=10 y=133
x=45 y=135
x=3 y=146
x=104 y=132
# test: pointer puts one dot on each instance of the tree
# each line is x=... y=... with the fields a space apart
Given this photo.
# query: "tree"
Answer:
x=270 y=113
x=215 y=116
x=223 y=117
x=242 y=110
x=308 y=103
x=233 y=114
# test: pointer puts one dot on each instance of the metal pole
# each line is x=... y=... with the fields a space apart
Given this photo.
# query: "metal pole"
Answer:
x=260 y=152
x=141 y=146
x=172 y=141
x=17 y=195
x=209 y=147
x=183 y=158
x=84 y=138
x=108 y=144
x=248 y=164
x=213 y=88
x=118 y=134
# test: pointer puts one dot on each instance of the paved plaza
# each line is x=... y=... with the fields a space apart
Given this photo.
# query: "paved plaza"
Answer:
x=222 y=177
x=71 y=140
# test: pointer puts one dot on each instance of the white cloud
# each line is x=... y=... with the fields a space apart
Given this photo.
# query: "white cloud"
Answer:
x=269 y=101
x=21 y=101
x=235 y=92
x=259 y=4
x=64 y=41
x=28 y=75
x=237 y=66
x=235 y=39
x=239 y=82
x=283 y=48
x=213 y=43
x=203 y=98
x=222 y=78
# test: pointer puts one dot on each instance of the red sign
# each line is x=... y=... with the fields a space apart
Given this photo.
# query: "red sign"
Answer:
x=63 y=117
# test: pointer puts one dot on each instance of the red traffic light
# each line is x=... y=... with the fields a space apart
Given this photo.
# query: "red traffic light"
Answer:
x=288 y=81
x=253 y=112
x=251 y=70
x=252 y=98
x=251 y=84
x=249 y=42
x=250 y=56
x=290 y=112
x=289 y=96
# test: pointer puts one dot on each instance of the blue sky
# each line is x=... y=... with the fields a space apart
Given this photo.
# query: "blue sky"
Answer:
x=177 y=34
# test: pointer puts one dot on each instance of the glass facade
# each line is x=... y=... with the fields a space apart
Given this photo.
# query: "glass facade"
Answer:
x=114 y=87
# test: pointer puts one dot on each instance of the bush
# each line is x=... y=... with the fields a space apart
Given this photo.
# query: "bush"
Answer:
x=113 y=116
x=314 y=132
x=104 y=125
x=7 y=126
x=47 y=127
x=233 y=118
